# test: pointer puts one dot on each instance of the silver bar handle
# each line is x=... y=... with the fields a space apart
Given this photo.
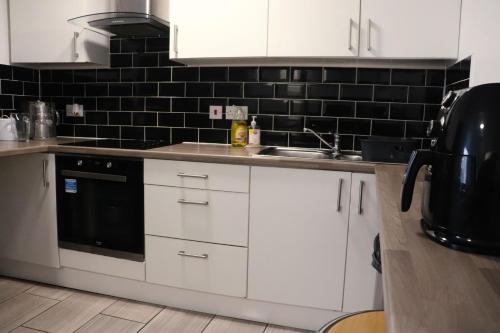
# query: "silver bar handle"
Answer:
x=75 y=40
x=349 y=45
x=360 y=203
x=187 y=175
x=339 y=195
x=176 y=40
x=369 y=47
x=45 y=166
x=187 y=202
x=185 y=254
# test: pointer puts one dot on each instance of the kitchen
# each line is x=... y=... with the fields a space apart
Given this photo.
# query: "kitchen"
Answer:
x=156 y=205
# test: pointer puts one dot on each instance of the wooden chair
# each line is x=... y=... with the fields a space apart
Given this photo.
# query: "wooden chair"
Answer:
x=360 y=322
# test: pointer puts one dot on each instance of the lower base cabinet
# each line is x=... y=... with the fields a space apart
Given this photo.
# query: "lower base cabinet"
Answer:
x=298 y=236
x=28 y=220
x=213 y=268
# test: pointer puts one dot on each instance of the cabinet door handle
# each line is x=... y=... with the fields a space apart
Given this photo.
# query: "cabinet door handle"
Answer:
x=75 y=40
x=176 y=40
x=45 y=180
x=187 y=202
x=349 y=45
x=187 y=175
x=360 y=203
x=369 y=38
x=339 y=195
x=185 y=254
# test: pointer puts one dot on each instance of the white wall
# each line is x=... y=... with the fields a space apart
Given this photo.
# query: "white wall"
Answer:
x=4 y=33
x=480 y=25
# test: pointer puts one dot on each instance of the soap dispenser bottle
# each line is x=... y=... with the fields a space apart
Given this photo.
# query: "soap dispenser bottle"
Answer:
x=254 y=133
x=239 y=129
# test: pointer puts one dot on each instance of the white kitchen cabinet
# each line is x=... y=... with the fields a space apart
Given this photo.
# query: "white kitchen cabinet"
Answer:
x=199 y=215
x=41 y=36
x=218 y=28
x=213 y=268
x=28 y=219
x=297 y=236
x=4 y=33
x=363 y=285
x=410 y=29
x=313 y=28
x=206 y=176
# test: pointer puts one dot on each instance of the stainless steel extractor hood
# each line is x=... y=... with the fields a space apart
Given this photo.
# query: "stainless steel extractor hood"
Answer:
x=129 y=18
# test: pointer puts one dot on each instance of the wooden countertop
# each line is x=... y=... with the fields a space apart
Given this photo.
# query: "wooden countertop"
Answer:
x=428 y=287
x=214 y=153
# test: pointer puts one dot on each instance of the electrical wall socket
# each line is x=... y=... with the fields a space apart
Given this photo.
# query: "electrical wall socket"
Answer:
x=232 y=109
x=74 y=110
x=215 y=111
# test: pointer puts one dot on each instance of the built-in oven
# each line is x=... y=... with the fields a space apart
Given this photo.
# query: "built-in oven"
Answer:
x=100 y=205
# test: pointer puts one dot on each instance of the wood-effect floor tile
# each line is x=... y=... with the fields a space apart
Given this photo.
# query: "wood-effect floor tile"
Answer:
x=281 y=329
x=10 y=288
x=177 y=321
x=25 y=330
x=107 y=324
x=70 y=314
x=16 y=311
x=136 y=311
x=48 y=291
x=230 y=325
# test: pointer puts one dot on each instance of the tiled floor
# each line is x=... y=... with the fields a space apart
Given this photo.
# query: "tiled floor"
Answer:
x=27 y=307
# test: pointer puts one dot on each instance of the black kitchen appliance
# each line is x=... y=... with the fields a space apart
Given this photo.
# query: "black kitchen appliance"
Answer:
x=461 y=192
x=100 y=205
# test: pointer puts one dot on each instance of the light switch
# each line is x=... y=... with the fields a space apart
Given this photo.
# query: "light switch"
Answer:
x=215 y=111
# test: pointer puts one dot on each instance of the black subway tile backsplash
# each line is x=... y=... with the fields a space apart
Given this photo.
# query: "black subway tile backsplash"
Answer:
x=274 y=74
x=244 y=74
x=340 y=75
x=262 y=90
x=323 y=91
x=306 y=74
x=147 y=95
x=133 y=75
x=374 y=75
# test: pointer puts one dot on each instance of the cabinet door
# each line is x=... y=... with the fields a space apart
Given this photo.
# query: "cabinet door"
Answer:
x=410 y=28
x=4 y=33
x=313 y=28
x=218 y=28
x=363 y=284
x=49 y=39
x=297 y=236
x=28 y=220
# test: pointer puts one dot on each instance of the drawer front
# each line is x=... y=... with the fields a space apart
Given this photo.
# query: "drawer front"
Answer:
x=207 y=176
x=213 y=268
x=200 y=215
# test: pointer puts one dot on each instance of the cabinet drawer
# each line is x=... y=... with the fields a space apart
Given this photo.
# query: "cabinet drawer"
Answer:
x=200 y=215
x=213 y=268
x=208 y=176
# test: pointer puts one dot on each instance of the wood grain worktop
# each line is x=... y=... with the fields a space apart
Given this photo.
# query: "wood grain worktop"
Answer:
x=194 y=152
x=428 y=287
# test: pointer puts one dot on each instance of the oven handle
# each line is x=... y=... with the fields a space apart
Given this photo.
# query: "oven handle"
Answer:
x=94 y=175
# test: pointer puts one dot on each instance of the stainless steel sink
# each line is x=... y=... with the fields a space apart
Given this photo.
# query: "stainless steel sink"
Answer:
x=317 y=154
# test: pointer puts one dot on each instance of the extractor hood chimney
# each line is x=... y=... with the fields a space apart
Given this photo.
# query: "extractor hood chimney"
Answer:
x=126 y=18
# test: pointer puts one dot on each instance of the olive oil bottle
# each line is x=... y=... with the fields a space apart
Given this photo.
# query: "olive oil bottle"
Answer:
x=239 y=130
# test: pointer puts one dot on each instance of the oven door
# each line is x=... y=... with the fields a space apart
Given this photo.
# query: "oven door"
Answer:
x=101 y=212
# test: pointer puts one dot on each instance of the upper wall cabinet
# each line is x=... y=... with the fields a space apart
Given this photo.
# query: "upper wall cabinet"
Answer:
x=4 y=33
x=41 y=36
x=218 y=28
x=410 y=29
x=313 y=28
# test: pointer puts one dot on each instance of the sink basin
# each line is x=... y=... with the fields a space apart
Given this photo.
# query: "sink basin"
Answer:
x=297 y=152
x=317 y=154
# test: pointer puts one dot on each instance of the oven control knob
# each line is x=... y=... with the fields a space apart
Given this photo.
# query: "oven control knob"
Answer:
x=79 y=163
x=109 y=165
